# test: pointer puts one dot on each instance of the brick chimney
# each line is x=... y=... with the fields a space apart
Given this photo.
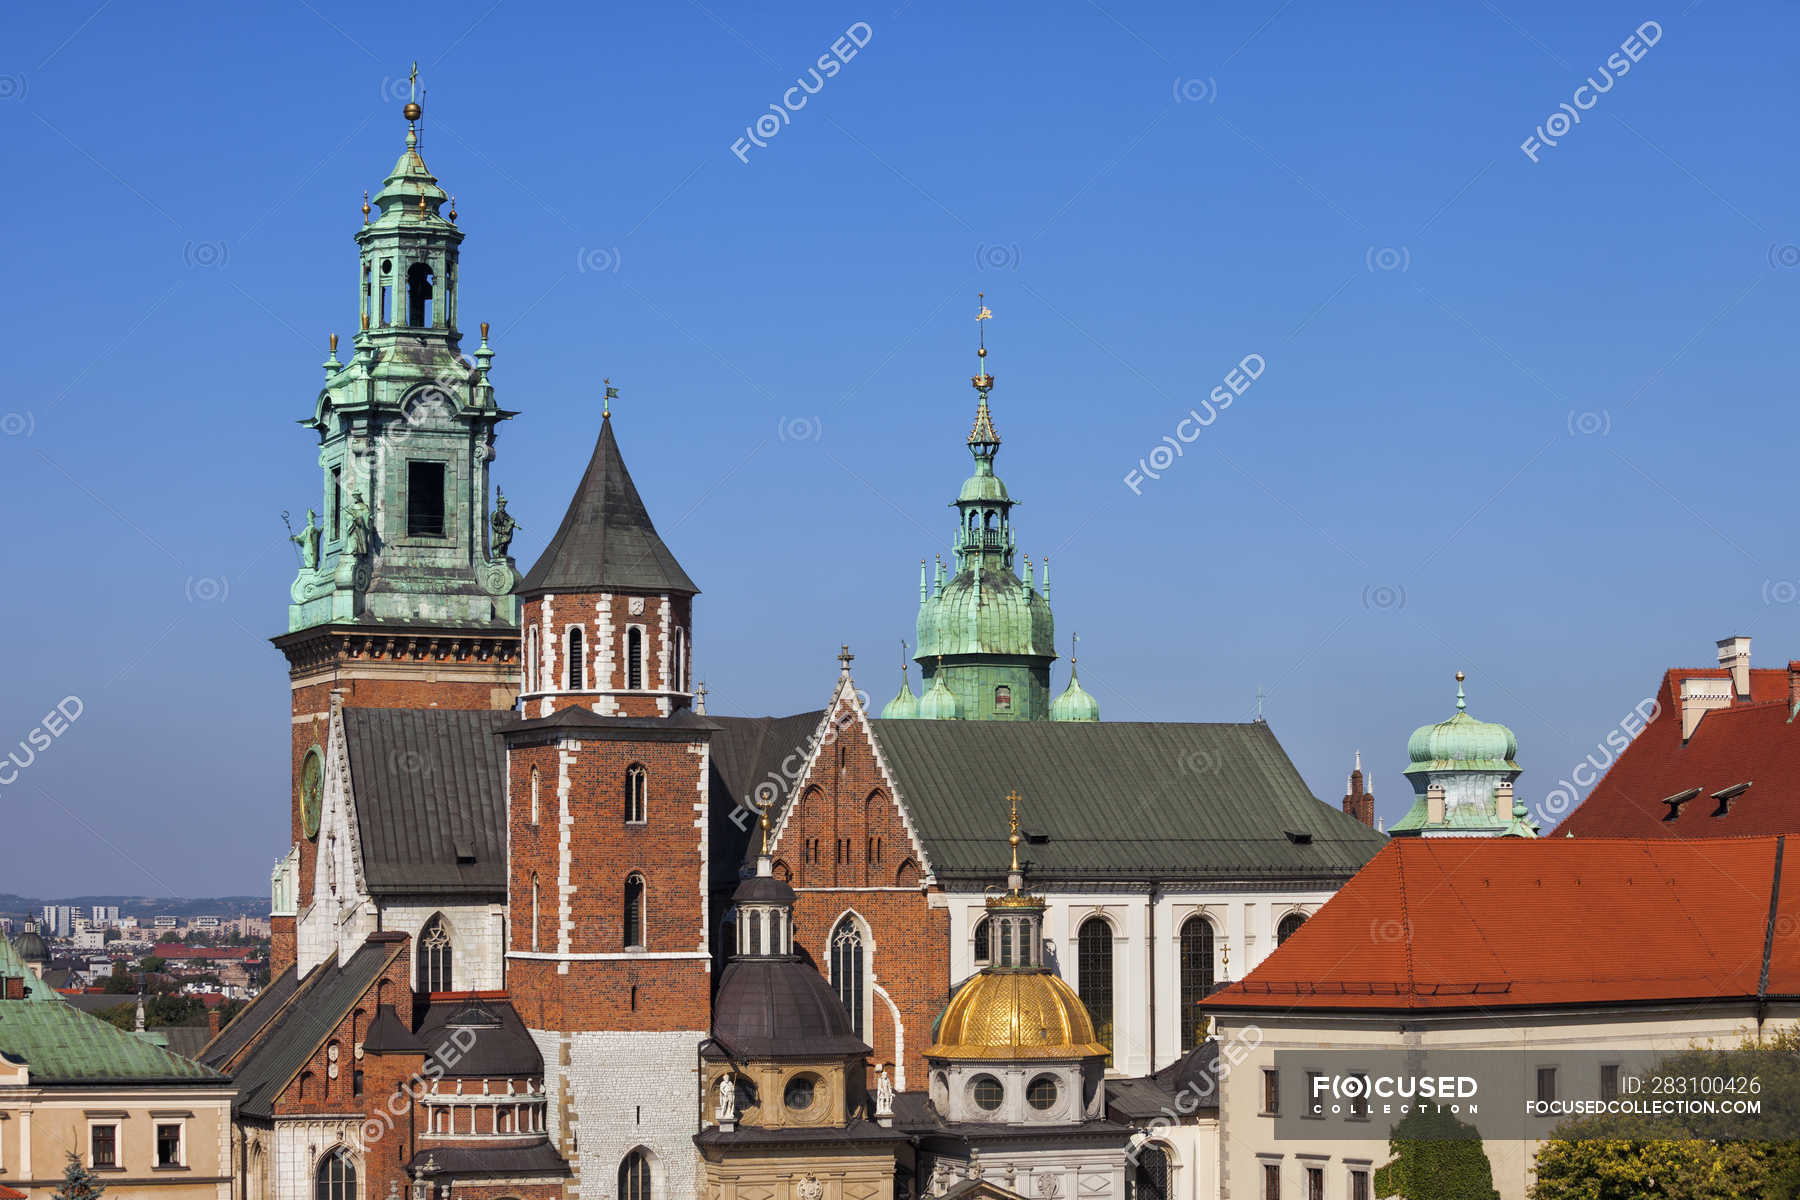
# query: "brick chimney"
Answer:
x=1359 y=801
x=12 y=987
x=1734 y=656
x=212 y=1021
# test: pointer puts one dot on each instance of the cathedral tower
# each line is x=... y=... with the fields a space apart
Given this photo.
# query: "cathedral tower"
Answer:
x=401 y=599
x=608 y=958
x=986 y=638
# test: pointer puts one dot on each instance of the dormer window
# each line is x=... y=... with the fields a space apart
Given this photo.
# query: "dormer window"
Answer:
x=1726 y=795
x=1676 y=801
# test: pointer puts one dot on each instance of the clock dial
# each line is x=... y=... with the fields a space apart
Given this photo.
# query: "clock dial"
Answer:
x=312 y=788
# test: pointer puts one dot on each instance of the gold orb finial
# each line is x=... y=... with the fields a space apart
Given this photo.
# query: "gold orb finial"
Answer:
x=412 y=111
x=1459 y=677
x=365 y=207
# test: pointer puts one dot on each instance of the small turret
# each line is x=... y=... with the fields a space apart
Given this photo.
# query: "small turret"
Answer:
x=1074 y=704
x=905 y=706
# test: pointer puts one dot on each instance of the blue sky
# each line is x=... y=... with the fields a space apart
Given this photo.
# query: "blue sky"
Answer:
x=1530 y=420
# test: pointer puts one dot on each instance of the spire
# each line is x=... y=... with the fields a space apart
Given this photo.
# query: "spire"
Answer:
x=984 y=439
x=1075 y=704
x=904 y=706
x=1462 y=703
x=606 y=541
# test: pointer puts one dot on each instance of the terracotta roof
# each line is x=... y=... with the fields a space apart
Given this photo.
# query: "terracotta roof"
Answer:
x=1450 y=923
x=177 y=951
x=7 y=1193
x=1750 y=742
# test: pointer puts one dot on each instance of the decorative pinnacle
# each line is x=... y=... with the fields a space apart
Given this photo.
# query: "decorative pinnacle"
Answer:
x=612 y=393
x=453 y=207
x=903 y=648
x=412 y=111
x=1074 y=655
x=845 y=658
x=1013 y=839
x=981 y=379
x=1462 y=704
x=365 y=206
x=763 y=808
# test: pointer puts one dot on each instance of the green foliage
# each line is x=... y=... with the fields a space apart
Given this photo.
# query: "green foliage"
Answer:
x=153 y=964
x=1436 y=1157
x=120 y=982
x=1693 y=1156
x=78 y=1182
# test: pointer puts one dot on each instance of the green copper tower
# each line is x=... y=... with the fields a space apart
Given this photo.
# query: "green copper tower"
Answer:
x=985 y=637
x=406 y=434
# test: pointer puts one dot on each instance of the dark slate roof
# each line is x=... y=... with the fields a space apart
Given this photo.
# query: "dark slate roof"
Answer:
x=289 y=1036
x=477 y=1038
x=430 y=798
x=606 y=541
x=388 y=1034
x=1186 y=1086
x=250 y=1020
x=537 y=1157
x=747 y=754
x=777 y=1007
x=1118 y=800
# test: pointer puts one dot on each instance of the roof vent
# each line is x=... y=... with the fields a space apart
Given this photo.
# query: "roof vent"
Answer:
x=1726 y=795
x=1299 y=837
x=465 y=852
x=1677 y=800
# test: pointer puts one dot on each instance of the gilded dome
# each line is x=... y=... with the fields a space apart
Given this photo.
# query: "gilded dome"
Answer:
x=1007 y=1015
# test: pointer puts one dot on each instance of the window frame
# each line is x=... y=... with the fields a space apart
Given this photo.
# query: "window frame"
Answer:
x=575 y=675
x=642 y=916
x=179 y=1125
x=115 y=1130
x=413 y=529
x=637 y=794
x=1271 y=1092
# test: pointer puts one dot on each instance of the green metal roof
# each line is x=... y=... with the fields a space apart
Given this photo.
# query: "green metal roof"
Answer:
x=60 y=1044
x=1123 y=801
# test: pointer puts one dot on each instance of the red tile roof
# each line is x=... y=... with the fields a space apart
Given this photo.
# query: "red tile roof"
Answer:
x=175 y=951
x=1456 y=923
x=1752 y=741
x=7 y=1193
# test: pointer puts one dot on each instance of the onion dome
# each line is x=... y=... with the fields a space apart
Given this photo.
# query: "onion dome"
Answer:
x=1074 y=704
x=904 y=706
x=1462 y=743
x=939 y=702
x=30 y=946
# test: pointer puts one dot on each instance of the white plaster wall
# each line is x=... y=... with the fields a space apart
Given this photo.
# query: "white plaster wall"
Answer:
x=476 y=937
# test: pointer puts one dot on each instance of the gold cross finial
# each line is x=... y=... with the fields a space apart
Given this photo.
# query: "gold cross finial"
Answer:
x=1013 y=838
x=412 y=82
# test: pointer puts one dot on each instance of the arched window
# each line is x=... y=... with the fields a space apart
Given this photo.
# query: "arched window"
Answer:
x=1152 y=1172
x=577 y=667
x=418 y=295
x=634 y=911
x=1094 y=962
x=1289 y=925
x=984 y=935
x=634 y=659
x=534 y=795
x=1006 y=943
x=637 y=795
x=336 y=1177
x=435 y=956
x=1196 y=977
x=531 y=659
x=847 y=969
x=634 y=1176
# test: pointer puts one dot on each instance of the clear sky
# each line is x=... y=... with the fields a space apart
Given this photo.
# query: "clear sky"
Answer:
x=1527 y=419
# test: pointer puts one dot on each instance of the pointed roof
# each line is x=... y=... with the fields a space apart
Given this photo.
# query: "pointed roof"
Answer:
x=606 y=541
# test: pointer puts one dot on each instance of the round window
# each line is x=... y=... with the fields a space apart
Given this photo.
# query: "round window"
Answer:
x=1041 y=1094
x=987 y=1092
x=800 y=1092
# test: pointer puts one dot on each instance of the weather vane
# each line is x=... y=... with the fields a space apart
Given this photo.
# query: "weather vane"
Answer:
x=982 y=380
x=612 y=393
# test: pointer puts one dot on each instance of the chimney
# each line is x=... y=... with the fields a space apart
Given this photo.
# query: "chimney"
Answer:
x=13 y=987
x=1434 y=804
x=1503 y=800
x=1699 y=696
x=1359 y=802
x=212 y=1022
x=1793 y=686
x=1734 y=656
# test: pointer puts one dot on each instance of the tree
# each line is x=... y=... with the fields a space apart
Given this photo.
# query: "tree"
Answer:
x=78 y=1182
x=1691 y=1157
x=1436 y=1157
x=153 y=964
x=120 y=982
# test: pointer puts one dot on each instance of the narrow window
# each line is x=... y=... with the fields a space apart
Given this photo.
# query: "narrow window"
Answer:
x=634 y=1177
x=680 y=667
x=1609 y=1081
x=531 y=659
x=1359 y=1184
x=104 y=1145
x=634 y=659
x=425 y=499
x=1196 y=977
x=1271 y=1093
x=1546 y=1084
x=983 y=936
x=418 y=295
x=1315 y=1183
x=756 y=933
x=637 y=795
x=534 y=910
x=573 y=651
x=534 y=795
x=1006 y=943
x=387 y=296
x=1094 y=950
x=1152 y=1173
x=634 y=911
x=847 y=970
x=1271 y=1181
x=334 y=504
x=435 y=956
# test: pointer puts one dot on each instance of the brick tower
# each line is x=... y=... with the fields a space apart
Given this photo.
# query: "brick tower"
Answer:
x=400 y=600
x=608 y=960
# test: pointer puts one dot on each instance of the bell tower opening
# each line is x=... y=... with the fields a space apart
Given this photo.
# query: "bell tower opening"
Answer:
x=419 y=279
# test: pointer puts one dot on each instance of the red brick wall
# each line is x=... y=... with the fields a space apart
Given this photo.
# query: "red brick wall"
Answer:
x=605 y=850
x=844 y=802
x=572 y=608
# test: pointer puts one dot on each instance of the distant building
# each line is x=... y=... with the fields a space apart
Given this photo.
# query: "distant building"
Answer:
x=105 y=914
x=167 y=922
x=58 y=920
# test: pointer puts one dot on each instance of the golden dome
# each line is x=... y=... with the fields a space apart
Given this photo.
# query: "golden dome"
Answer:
x=1000 y=1015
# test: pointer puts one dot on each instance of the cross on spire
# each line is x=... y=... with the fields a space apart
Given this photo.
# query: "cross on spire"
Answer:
x=845 y=658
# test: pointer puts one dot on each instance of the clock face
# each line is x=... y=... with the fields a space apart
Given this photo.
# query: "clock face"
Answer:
x=312 y=788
